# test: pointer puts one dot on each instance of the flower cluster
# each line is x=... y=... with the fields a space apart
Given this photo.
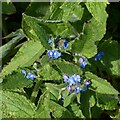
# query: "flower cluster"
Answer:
x=98 y=56
x=59 y=43
x=29 y=75
x=53 y=54
x=82 y=62
x=75 y=84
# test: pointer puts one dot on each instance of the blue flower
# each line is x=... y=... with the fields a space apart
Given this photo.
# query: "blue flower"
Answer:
x=76 y=78
x=68 y=88
x=30 y=76
x=53 y=54
x=71 y=80
x=82 y=62
x=77 y=89
x=98 y=56
x=65 y=44
x=87 y=83
x=65 y=77
x=49 y=40
x=84 y=89
x=24 y=72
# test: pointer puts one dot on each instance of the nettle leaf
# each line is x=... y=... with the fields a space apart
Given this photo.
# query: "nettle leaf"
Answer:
x=100 y=85
x=111 y=59
x=77 y=111
x=47 y=72
x=15 y=38
x=67 y=67
x=107 y=102
x=8 y=8
x=34 y=30
x=26 y=55
x=16 y=106
x=16 y=81
x=98 y=10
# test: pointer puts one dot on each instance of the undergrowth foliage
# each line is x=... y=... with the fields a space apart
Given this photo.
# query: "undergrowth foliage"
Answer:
x=65 y=68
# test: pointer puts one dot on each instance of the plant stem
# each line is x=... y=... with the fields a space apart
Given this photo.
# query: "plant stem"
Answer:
x=35 y=91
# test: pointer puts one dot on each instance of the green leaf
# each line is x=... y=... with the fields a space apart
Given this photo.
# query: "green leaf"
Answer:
x=16 y=81
x=77 y=111
x=34 y=30
x=26 y=55
x=107 y=102
x=5 y=49
x=8 y=8
x=37 y=9
x=100 y=85
x=16 y=106
x=68 y=99
x=87 y=103
x=111 y=58
x=58 y=111
x=48 y=72
x=86 y=43
x=67 y=67
x=98 y=10
x=53 y=89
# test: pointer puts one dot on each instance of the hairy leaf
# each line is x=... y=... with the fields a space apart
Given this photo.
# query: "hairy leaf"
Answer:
x=16 y=81
x=47 y=72
x=16 y=106
x=67 y=67
x=26 y=55
x=100 y=85
x=17 y=36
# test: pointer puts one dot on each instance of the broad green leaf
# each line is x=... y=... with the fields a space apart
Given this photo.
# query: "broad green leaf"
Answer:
x=68 y=99
x=43 y=113
x=67 y=67
x=93 y=31
x=53 y=89
x=26 y=55
x=8 y=8
x=98 y=10
x=16 y=81
x=77 y=111
x=34 y=30
x=111 y=58
x=37 y=9
x=55 y=11
x=16 y=106
x=107 y=102
x=87 y=103
x=5 y=49
x=47 y=72
x=100 y=85
x=41 y=29
x=58 y=111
